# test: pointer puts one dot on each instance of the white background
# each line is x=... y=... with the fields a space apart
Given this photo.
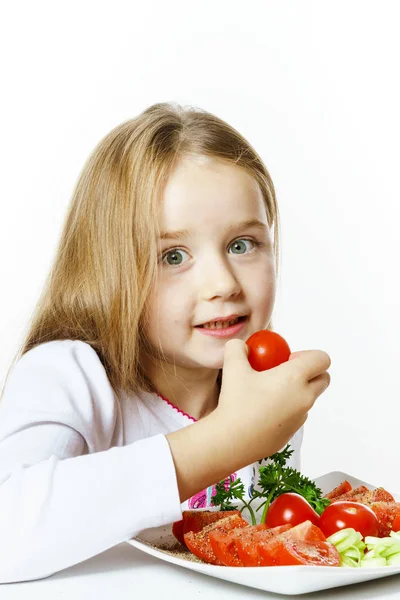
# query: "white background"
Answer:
x=314 y=87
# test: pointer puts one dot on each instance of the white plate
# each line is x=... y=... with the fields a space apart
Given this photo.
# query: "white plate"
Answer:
x=281 y=580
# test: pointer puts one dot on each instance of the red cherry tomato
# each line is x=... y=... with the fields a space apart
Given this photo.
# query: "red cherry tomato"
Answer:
x=290 y=508
x=343 y=514
x=267 y=349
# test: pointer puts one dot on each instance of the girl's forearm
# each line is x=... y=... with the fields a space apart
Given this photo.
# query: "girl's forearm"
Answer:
x=206 y=452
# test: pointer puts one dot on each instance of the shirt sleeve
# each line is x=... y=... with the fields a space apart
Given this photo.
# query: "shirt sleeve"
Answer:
x=65 y=493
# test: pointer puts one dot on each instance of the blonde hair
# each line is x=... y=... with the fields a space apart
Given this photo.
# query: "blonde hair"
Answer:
x=106 y=261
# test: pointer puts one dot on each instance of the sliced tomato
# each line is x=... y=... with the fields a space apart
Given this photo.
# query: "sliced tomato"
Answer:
x=177 y=531
x=386 y=513
x=281 y=551
x=396 y=522
x=246 y=544
x=365 y=496
x=224 y=548
x=195 y=520
x=305 y=537
x=224 y=543
x=342 y=488
x=305 y=532
x=355 y=494
x=290 y=508
x=381 y=495
x=199 y=543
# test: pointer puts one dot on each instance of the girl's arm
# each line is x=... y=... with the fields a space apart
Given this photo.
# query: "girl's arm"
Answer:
x=257 y=414
x=65 y=493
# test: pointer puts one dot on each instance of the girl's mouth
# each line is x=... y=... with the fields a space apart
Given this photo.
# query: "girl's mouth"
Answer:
x=221 y=324
x=223 y=328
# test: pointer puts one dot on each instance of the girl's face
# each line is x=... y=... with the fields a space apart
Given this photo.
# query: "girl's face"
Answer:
x=216 y=263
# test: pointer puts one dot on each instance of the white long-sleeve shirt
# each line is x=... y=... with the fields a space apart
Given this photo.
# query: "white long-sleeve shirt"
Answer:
x=80 y=470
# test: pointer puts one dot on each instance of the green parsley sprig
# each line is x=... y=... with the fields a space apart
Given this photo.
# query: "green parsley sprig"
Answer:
x=274 y=479
x=227 y=494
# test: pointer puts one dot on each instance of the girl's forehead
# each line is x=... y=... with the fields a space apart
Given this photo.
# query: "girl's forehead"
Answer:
x=207 y=172
x=202 y=192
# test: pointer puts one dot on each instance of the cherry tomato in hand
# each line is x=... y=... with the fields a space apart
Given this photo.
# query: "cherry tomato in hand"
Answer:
x=290 y=508
x=267 y=349
x=343 y=514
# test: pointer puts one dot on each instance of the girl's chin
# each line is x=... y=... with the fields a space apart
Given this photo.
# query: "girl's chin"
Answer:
x=214 y=365
x=195 y=361
x=203 y=360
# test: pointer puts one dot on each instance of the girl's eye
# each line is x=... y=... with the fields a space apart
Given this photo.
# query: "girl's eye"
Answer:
x=175 y=258
x=241 y=246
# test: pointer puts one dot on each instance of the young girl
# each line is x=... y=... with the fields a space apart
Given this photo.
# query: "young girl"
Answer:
x=115 y=416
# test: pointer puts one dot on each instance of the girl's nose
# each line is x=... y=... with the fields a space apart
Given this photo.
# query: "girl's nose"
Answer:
x=218 y=281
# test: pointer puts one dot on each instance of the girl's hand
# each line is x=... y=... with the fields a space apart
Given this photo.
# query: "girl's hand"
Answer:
x=257 y=414
x=262 y=410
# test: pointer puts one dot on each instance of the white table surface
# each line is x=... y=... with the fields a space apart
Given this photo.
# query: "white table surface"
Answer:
x=123 y=573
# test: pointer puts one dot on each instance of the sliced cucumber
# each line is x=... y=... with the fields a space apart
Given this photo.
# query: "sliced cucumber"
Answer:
x=373 y=562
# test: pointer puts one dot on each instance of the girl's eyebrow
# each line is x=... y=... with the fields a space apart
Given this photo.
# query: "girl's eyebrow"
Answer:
x=175 y=235
x=183 y=233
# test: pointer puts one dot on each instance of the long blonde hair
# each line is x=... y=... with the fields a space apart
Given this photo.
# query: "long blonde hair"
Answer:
x=106 y=261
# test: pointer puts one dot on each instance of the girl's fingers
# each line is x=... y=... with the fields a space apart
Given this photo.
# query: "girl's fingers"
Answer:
x=319 y=384
x=235 y=354
x=311 y=363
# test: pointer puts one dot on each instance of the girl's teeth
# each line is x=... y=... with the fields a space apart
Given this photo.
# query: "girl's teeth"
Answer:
x=220 y=324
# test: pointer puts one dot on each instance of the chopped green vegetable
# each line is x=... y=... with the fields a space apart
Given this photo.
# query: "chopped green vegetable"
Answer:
x=381 y=552
x=346 y=561
x=347 y=539
x=393 y=560
x=373 y=562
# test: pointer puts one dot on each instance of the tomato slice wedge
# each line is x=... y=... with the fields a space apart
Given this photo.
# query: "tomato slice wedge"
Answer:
x=305 y=532
x=396 y=522
x=280 y=551
x=355 y=494
x=265 y=554
x=224 y=546
x=381 y=495
x=304 y=544
x=247 y=543
x=199 y=543
x=342 y=488
x=177 y=531
x=196 y=520
x=386 y=513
